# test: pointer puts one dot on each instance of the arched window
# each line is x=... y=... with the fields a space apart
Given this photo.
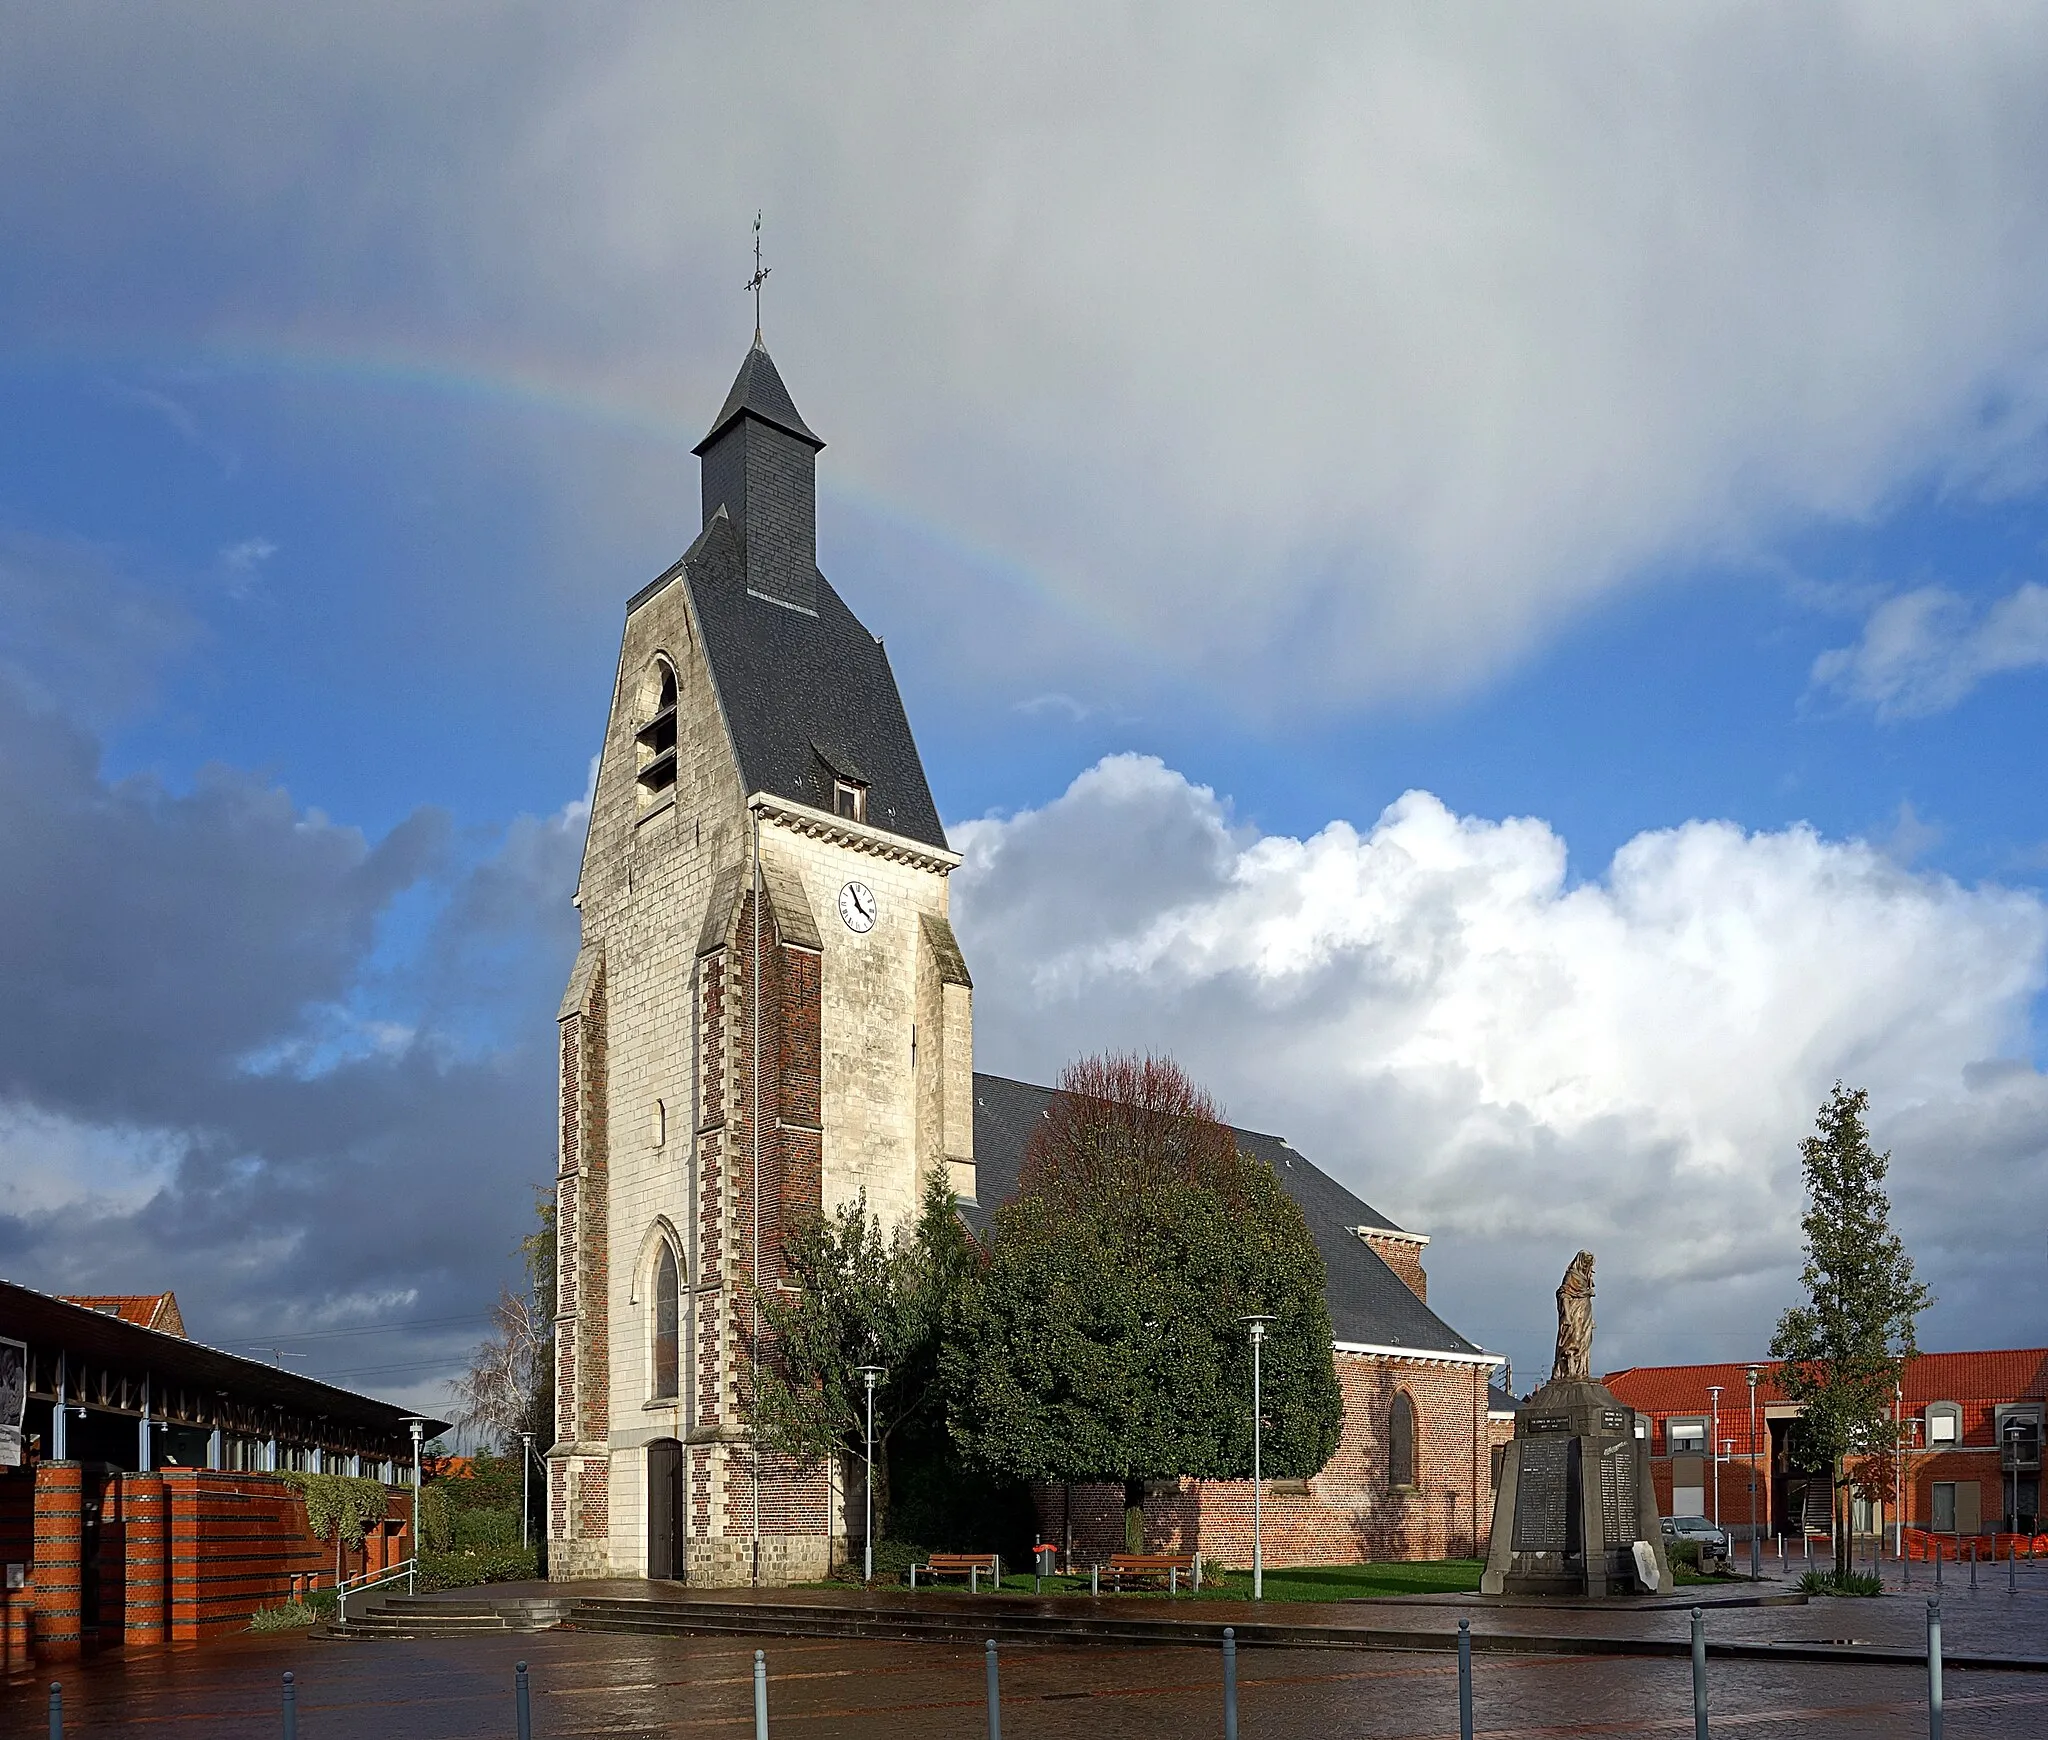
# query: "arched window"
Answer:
x=655 y=740
x=668 y=1357
x=1401 y=1441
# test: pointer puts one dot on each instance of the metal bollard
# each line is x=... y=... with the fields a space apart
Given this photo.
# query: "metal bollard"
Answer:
x=1095 y=1579
x=1808 y=1539
x=1934 y=1670
x=56 y=1710
x=1173 y=1579
x=291 y=1709
x=1939 y=1555
x=1905 y=1568
x=974 y=1579
x=1699 y=1674
x=2012 y=1567
x=760 y=1695
x=1973 y=1564
x=1464 y=1679
x=1229 y=1682
x=522 y=1703
x=995 y=1694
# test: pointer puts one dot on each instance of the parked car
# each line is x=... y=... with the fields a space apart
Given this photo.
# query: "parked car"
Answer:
x=1712 y=1538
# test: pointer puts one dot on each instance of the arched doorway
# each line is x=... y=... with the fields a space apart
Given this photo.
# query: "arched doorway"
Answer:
x=665 y=1509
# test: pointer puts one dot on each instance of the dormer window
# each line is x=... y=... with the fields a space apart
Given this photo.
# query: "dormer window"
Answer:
x=850 y=800
x=654 y=743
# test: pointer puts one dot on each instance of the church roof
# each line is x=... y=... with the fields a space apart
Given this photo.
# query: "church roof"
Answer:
x=757 y=390
x=1370 y=1305
x=807 y=696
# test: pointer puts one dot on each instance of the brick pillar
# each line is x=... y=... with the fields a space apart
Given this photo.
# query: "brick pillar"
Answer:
x=148 y=1573
x=60 y=1551
x=15 y=1607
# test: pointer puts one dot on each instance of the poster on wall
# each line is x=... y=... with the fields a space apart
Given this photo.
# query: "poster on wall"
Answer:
x=13 y=1399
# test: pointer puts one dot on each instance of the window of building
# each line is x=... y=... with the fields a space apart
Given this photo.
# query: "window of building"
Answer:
x=654 y=742
x=667 y=1324
x=850 y=800
x=1944 y=1423
x=1685 y=1437
x=657 y=1124
x=1401 y=1441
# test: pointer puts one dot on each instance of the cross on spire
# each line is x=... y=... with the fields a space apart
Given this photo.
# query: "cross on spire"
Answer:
x=759 y=278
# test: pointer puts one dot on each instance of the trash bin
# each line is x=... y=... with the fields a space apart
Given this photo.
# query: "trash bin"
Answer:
x=1047 y=1555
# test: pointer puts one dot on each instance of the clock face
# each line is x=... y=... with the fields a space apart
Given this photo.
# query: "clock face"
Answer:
x=857 y=906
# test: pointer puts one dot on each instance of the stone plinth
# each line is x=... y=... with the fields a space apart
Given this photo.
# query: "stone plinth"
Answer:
x=1575 y=1500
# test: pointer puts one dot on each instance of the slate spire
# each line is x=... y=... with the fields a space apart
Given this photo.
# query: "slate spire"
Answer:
x=760 y=465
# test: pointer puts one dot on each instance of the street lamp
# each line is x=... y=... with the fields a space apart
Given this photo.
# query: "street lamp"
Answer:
x=1755 y=1559
x=1714 y=1444
x=1257 y=1325
x=418 y=1424
x=525 y=1494
x=871 y=1374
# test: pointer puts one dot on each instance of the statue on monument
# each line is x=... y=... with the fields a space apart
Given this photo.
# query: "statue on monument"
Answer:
x=1575 y=1321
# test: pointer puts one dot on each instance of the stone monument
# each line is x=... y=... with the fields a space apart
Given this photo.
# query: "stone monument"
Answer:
x=1575 y=1512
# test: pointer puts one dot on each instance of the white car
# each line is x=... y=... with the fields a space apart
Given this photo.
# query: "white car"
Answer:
x=1712 y=1538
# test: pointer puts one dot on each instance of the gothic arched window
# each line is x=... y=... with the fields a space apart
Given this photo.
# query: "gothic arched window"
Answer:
x=668 y=1357
x=655 y=740
x=1401 y=1441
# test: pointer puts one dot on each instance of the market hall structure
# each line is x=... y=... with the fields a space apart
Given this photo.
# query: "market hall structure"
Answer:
x=769 y=1014
x=141 y=1498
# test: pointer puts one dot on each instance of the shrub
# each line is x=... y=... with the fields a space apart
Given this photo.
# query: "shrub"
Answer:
x=1827 y=1583
x=893 y=1560
x=478 y=1530
x=1683 y=1555
x=437 y=1518
x=466 y=1570
x=287 y=1616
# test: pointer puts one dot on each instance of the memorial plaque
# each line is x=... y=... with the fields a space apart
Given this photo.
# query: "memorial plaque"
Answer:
x=1541 y=1519
x=1616 y=1420
x=1618 y=1515
x=1548 y=1423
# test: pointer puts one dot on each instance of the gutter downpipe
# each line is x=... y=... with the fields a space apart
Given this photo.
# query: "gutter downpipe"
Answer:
x=754 y=1130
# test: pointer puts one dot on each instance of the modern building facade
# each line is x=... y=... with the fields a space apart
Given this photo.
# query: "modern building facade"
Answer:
x=1968 y=1429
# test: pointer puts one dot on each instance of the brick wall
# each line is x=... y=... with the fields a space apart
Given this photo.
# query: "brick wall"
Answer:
x=1347 y=1514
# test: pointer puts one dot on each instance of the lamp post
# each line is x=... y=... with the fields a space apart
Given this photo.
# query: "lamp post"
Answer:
x=418 y=1424
x=870 y=1374
x=1898 y=1472
x=1755 y=1560
x=1257 y=1325
x=525 y=1473
x=1714 y=1444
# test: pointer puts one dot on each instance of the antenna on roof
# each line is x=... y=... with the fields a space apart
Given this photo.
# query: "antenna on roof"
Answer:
x=759 y=278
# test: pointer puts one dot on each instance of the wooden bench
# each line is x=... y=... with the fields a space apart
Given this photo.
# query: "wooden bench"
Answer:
x=972 y=1566
x=1167 y=1568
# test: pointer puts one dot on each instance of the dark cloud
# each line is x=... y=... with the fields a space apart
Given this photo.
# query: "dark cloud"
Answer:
x=194 y=978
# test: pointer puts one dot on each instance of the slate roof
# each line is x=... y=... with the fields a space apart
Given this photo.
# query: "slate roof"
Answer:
x=758 y=389
x=1500 y=1401
x=1369 y=1303
x=806 y=694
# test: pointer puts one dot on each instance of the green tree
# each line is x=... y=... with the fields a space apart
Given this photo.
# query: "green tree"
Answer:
x=1105 y=1338
x=1846 y=1346
x=340 y=1508
x=858 y=1298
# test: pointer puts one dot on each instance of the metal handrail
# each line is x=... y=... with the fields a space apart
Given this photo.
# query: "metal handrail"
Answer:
x=409 y=1570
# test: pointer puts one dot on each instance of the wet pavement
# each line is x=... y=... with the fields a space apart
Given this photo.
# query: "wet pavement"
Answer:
x=594 y=1684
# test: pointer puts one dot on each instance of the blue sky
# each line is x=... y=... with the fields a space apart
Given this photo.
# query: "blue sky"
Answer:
x=1574 y=427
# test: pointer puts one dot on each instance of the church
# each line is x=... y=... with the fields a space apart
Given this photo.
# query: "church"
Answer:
x=769 y=1013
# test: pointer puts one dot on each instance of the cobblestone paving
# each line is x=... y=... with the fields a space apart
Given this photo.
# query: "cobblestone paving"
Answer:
x=596 y=1685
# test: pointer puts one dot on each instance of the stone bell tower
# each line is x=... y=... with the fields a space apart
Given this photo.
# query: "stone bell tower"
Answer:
x=768 y=1016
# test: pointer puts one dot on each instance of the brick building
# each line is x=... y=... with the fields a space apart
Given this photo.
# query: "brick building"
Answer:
x=1412 y=1476
x=769 y=1014
x=1969 y=1428
x=140 y=1490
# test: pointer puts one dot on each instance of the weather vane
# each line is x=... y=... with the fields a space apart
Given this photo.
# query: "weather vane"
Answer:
x=759 y=278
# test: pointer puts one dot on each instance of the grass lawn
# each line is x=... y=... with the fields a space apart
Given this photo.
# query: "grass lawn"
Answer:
x=1304 y=1582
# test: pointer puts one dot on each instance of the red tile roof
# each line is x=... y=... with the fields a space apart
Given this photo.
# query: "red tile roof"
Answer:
x=1982 y=1379
x=144 y=1310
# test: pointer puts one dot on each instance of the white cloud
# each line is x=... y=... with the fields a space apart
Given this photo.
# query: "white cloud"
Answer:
x=1432 y=1010
x=1365 y=344
x=1923 y=652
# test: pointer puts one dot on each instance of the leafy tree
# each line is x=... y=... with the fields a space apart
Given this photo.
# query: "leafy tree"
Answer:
x=1104 y=1340
x=1846 y=1346
x=858 y=1298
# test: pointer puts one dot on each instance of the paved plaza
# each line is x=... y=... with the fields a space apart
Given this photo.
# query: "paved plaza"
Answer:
x=593 y=1684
